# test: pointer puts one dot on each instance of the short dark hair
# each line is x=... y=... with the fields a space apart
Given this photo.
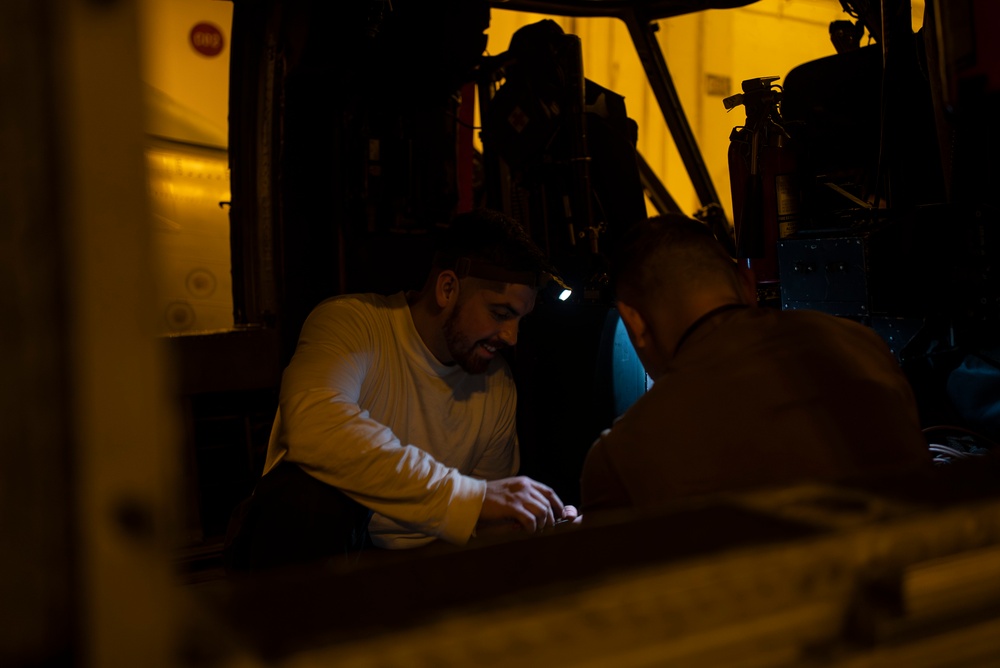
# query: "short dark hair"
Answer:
x=665 y=251
x=489 y=238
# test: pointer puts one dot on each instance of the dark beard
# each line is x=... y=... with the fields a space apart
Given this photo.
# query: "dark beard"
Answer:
x=460 y=348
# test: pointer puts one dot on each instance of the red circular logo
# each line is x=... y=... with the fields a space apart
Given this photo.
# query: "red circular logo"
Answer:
x=207 y=39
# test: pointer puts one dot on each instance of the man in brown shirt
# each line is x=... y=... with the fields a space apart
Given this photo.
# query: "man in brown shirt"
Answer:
x=743 y=396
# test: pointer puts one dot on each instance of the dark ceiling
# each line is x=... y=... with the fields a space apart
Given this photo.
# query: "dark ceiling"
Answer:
x=648 y=9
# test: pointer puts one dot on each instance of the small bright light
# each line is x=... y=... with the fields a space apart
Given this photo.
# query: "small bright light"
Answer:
x=564 y=295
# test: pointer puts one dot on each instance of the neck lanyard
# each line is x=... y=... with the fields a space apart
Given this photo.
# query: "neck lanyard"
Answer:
x=700 y=321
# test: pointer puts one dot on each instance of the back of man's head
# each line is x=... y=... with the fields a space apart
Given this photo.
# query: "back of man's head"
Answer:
x=669 y=256
x=490 y=245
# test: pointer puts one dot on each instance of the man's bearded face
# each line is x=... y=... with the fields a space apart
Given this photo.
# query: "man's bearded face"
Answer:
x=473 y=355
x=484 y=322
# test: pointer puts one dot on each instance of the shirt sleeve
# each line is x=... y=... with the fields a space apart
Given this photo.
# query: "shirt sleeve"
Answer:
x=601 y=487
x=332 y=438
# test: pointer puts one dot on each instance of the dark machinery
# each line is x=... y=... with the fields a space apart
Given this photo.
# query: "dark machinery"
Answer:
x=862 y=187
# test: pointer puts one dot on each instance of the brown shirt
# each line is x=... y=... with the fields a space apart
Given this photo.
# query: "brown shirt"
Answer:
x=759 y=397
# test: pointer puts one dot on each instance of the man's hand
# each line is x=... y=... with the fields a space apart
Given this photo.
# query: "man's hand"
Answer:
x=524 y=502
x=570 y=514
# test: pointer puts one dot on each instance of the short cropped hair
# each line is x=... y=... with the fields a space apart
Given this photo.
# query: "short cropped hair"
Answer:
x=668 y=252
x=490 y=237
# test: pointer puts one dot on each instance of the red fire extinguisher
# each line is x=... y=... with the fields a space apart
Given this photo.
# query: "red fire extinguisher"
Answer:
x=762 y=174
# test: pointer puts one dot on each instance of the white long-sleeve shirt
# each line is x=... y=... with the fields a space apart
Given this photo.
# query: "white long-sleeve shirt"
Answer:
x=366 y=407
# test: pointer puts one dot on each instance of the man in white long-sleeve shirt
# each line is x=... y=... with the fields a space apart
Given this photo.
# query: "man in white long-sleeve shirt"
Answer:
x=402 y=409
